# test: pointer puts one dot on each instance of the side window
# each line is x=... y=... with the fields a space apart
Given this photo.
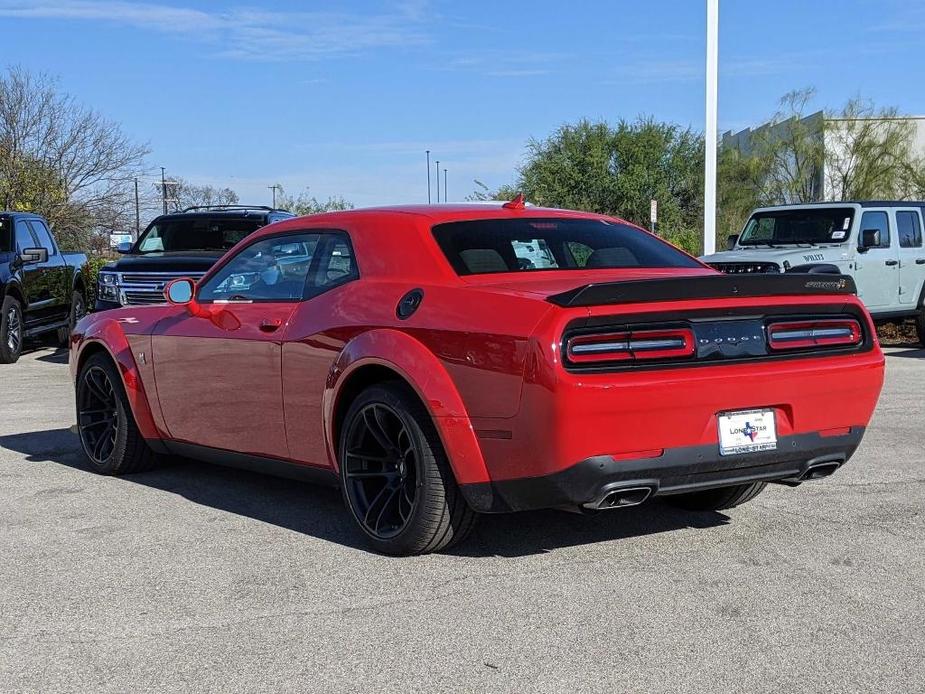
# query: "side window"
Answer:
x=336 y=264
x=909 y=229
x=274 y=269
x=42 y=234
x=879 y=221
x=24 y=238
x=6 y=242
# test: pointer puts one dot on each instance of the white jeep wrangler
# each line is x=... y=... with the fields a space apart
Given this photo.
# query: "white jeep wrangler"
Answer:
x=878 y=243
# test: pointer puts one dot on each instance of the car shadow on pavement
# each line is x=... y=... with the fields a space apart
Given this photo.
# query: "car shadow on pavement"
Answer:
x=319 y=511
x=59 y=356
x=908 y=351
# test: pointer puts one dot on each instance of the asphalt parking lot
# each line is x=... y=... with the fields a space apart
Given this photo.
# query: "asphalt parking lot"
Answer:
x=200 y=578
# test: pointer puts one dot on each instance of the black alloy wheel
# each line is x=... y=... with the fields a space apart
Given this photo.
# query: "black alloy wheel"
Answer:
x=98 y=419
x=381 y=470
x=395 y=475
x=12 y=330
x=107 y=429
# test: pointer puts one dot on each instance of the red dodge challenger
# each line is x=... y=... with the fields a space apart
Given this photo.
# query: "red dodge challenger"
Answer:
x=438 y=362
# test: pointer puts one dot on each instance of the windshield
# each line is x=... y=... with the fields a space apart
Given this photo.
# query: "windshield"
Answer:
x=195 y=234
x=802 y=226
x=524 y=245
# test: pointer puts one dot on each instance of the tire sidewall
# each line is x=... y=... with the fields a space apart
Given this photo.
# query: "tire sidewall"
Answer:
x=405 y=406
x=116 y=460
x=8 y=355
x=77 y=299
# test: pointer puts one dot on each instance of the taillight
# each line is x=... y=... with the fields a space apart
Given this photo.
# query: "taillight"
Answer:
x=631 y=345
x=817 y=333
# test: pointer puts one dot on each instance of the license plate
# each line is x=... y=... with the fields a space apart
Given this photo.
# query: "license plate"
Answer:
x=747 y=432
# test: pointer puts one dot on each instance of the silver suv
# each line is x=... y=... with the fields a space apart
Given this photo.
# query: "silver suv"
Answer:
x=878 y=243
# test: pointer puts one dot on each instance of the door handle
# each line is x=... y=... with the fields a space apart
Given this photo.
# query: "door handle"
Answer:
x=270 y=326
x=920 y=261
x=891 y=263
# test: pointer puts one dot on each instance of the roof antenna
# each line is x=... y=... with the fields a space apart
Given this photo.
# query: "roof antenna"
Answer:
x=516 y=204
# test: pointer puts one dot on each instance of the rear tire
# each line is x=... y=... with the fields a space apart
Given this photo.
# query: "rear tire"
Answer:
x=78 y=311
x=920 y=326
x=108 y=433
x=12 y=330
x=717 y=499
x=396 y=477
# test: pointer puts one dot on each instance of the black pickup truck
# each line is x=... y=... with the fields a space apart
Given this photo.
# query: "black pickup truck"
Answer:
x=42 y=288
x=181 y=244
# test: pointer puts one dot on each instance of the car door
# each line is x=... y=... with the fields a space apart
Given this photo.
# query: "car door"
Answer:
x=36 y=287
x=911 y=255
x=877 y=268
x=217 y=363
x=314 y=339
x=55 y=271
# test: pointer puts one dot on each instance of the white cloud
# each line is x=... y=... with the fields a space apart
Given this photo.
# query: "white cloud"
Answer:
x=245 y=33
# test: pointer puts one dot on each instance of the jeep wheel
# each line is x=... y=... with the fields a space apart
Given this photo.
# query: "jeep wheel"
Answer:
x=395 y=475
x=717 y=499
x=108 y=434
x=920 y=327
x=11 y=331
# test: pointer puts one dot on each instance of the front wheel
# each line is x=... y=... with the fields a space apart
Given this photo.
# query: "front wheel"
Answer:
x=717 y=499
x=11 y=331
x=108 y=433
x=920 y=326
x=396 y=477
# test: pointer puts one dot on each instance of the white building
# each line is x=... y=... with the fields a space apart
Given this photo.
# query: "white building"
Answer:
x=834 y=134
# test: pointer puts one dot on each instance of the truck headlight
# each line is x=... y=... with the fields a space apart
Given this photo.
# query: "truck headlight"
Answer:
x=108 y=286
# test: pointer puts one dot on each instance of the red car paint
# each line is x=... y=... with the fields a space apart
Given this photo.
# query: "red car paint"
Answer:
x=483 y=352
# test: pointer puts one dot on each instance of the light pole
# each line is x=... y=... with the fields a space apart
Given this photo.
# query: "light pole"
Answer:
x=710 y=131
x=428 y=176
x=164 y=189
x=438 y=180
x=273 y=188
x=445 y=198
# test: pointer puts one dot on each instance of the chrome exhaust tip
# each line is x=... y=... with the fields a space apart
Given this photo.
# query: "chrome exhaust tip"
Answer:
x=622 y=497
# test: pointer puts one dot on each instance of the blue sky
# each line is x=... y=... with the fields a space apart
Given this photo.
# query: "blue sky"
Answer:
x=345 y=97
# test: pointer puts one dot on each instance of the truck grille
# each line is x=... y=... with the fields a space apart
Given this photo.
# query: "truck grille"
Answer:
x=741 y=268
x=138 y=288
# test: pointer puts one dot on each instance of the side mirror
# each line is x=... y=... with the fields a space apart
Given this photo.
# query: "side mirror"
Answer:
x=179 y=291
x=731 y=241
x=33 y=255
x=124 y=247
x=870 y=238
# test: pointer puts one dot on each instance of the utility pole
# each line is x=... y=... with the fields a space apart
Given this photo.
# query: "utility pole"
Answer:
x=445 y=198
x=710 y=132
x=438 y=180
x=137 y=212
x=428 y=176
x=164 y=189
x=274 y=188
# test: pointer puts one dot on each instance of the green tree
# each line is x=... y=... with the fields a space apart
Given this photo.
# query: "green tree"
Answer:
x=303 y=203
x=62 y=160
x=618 y=170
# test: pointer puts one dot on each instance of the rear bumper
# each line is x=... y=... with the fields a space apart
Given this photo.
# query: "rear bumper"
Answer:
x=676 y=471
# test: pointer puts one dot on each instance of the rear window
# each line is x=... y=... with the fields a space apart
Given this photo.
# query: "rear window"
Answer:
x=525 y=245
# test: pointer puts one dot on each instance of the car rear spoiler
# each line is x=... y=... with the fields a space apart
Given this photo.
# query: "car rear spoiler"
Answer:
x=704 y=287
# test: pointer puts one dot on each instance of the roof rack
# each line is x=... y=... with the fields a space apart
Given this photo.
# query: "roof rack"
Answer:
x=232 y=207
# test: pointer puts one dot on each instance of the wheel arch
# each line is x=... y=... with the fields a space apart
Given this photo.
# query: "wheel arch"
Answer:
x=105 y=337
x=12 y=289
x=390 y=355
